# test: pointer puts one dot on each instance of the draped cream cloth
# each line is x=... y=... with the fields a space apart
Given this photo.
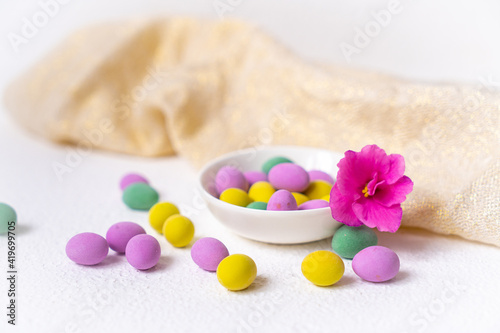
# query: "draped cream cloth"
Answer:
x=202 y=88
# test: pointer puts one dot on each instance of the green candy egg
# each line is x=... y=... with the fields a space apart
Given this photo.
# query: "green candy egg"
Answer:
x=140 y=196
x=270 y=163
x=258 y=205
x=348 y=241
x=7 y=216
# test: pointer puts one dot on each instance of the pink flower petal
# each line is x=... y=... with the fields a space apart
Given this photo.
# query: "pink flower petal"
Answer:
x=372 y=214
x=341 y=207
x=372 y=159
x=396 y=168
x=349 y=179
x=374 y=184
x=388 y=195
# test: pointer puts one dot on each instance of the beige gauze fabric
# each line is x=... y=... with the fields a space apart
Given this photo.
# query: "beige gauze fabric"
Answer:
x=202 y=88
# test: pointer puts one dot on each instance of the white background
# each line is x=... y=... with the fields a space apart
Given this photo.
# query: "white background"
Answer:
x=445 y=284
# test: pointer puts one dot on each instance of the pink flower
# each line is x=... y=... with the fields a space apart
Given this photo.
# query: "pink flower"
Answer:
x=370 y=188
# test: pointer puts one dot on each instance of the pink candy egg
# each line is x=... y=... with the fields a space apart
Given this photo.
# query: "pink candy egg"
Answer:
x=320 y=175
x=208 y=252
x=230 y=177
x=314 y=204
x=87 y=248
x=289 y=176
x=376 y=264
x=282 y=200
x=143 y=251
x=130 y=179
x=120 y=233
x=253 y=177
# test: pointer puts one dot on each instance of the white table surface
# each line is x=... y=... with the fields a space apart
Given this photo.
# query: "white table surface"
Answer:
x=446 y=284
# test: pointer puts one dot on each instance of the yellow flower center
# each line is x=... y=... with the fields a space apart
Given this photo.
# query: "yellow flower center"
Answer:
x=365 y=191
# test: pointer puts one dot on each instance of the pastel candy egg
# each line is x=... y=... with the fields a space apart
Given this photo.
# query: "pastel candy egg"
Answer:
x=8 y=218
x=348 y=241
x=261 y=191
x=282 y=200
x=326 y=198
x=376 y=264
x=323 y=268
x=270 y=163
x=208 y=252
x=253 y=177
x=132 y=178
x=140 y=196
x=236 y=272
x=120 y=233
x=300 y=198
x=235 y=196
x=159 y=213
x=314 y=204
x=290 y=177
x=143 y=252
x=320 y=175
x=230 y=177
x=178 y=230
x=257 y=205
x=317 y=189
x=87 y=248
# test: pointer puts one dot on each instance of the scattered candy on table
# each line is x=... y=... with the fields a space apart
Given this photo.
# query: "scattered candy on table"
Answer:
x=87 y=248
x=140 y=196
x=236 y=272
x=376 y=264
x=208 y=252
x=119 y=234
x=8 y=218
x=143 y=252
x=348 y=241
x=132 y=178
x=178 y=230
x=159 y=213
x=323 y=268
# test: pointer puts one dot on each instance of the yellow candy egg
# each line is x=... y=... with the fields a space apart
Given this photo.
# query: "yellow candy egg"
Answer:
x=236 y=272
x=300 y=198
x=318 y=189
x=178 y=230
x=159 y=213
x=261 y=191
x=323 y=268
x=326 y=198
x=235 y=196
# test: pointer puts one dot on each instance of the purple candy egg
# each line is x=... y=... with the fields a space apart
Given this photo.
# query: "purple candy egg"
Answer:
x=282 y=200
x=143 y=251
x=87 y=248
x=230 y=177
x=208 y=252
x=314 y=204
x=120 y=233
x=376 y=264
x=253 y=177
x=130 y=179
x=289 y=176
x=320 y=175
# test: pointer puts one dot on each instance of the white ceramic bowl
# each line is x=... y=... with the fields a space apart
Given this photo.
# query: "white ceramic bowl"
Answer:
x=278 y=227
